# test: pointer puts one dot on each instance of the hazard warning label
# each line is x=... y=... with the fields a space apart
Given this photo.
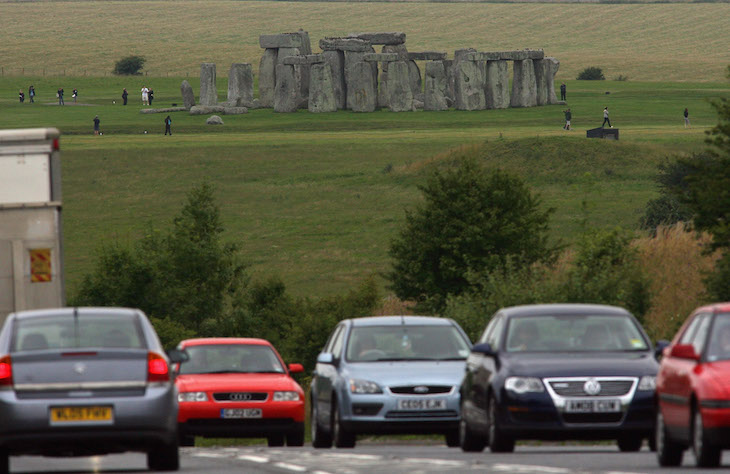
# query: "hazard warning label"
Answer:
x=40 y=265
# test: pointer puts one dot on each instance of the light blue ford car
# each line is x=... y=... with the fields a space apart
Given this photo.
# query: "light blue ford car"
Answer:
x=388 y=375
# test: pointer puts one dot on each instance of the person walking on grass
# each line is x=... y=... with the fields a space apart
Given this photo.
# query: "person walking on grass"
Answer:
x=96 y=125
x=568 y=116
x=150 y=96
x=686 y=118
x=562 y=91
x=168 y=125
x=74 y=94
x=21 y=96
x=145 y=95
x=124 y=96
x=605 y=118
x=59 y=94
x=31 y=93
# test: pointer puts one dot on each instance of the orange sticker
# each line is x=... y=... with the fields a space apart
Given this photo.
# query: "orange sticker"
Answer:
x=40 y=265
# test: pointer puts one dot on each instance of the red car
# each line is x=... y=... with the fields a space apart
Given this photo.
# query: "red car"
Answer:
x=693 y=389
x=237 y=388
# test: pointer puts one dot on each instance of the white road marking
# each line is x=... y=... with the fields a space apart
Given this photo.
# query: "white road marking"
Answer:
x=360 y=457
x=205 y=454
x=527 y=468
x=438 y=462
x=257 y=459
x=290 y=467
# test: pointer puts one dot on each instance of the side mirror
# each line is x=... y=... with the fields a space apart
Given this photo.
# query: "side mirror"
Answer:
x=296 y=368
x=483 y=348
x=659 y=348
x=325 y=358
x=178 y=356
x=684 y=351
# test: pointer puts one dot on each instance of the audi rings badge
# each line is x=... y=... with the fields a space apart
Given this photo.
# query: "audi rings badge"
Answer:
x=240 y=397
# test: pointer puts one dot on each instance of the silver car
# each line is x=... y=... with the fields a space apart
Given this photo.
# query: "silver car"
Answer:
x=386 y=375
x=86 y=381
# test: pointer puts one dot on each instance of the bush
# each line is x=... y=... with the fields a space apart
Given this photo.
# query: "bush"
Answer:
x=129 y=66
x=622 y=78
x=591 y=74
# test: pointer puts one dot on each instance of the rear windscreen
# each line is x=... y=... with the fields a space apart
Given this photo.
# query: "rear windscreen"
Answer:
x=75 y=332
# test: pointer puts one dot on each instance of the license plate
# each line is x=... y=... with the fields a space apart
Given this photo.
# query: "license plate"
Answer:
x=421 y=404
x=61 y=415
x=241 y=413
x=593 y=406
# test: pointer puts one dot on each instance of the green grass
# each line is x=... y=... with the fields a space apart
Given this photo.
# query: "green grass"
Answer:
x=316 y=198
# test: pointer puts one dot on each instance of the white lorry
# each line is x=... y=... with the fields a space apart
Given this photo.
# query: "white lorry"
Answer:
x=31 y=253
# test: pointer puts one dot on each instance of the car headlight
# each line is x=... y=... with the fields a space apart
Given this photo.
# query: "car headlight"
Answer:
x=286 y=396
x=647 y=382
x=524 y=384
x=364 y=386
x=192 y=397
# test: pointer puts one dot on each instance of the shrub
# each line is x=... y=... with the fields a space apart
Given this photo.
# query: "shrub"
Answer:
x=591 y=74
x=129 y=66
x=622 y=78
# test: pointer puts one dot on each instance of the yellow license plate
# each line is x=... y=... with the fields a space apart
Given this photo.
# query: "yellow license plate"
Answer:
x=80 y=414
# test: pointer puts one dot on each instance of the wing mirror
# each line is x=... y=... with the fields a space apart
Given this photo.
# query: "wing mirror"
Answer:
x=325 y=358
x=659 y=348
x=296 y=368
x=483 y=348
x=684 y=351
x=178 y=356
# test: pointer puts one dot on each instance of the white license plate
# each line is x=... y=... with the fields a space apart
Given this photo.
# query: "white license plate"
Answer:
x=593 y=406
x=422 y=404
x=241 y=413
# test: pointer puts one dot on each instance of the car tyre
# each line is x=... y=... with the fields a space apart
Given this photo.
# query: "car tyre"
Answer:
x=706 y=454
x=274 y=441
x=186 y=440
x=630 y=443
x=320 y=438
x=165 y=457
x=4 y=462
x=296 y=438
x=668 y=452
x=340 y=436
x=498 y=441
x=469 y=442
x=452 y=439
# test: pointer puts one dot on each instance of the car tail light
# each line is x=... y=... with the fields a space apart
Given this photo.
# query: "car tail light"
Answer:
x=6 y=371
x=157 y=370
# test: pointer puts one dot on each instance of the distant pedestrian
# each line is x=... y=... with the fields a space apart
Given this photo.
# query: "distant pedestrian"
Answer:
x=686 y=118
x=96 y=125
x=21 y=96
x=605 y=118
x=562 y=91
x=568 y=116
x=124 y=96
x=31 y=93
x=145 y=95
x=168 y=124
x=74 y=94
x=150 y=96
x=59 y=94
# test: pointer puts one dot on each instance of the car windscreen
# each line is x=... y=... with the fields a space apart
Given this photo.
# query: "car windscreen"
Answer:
x=574 y=333
x=406 y=342
x=719 y=344
x=231 y=358
x=70 y=331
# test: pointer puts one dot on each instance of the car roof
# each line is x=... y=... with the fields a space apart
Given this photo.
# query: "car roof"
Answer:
x=401 y=320
x=82 y=310
x=200 y=341
x=714 y=308
x=562 y=309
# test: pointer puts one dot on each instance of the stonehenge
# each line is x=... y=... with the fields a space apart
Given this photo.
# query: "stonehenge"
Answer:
x=349 y=74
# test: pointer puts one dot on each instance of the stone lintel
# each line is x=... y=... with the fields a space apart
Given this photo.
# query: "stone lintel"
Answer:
x=380 y=38
x=535 y=54
x=484 y=56
x=283 y=40
x=427 y=56
x=381 y=57
x=303 y=60
x=344 y=44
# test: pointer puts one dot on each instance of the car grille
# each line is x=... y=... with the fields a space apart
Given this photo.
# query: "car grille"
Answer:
x=411 y=389
x=609 y=388
x=240 y=396
x=421 y=414
x=592 y=417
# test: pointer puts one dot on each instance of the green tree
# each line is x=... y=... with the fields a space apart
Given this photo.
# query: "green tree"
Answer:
x=471 y=221
x=129 y=66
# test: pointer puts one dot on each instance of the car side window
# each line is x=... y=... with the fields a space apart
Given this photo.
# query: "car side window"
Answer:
x=488 y=329
x=332 y=339
x=337 y=343
x=700 y=336
x=494 y=336
x=690 y=331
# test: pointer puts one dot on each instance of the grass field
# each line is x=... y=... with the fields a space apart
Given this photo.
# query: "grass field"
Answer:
x=659 y=42
x=316 y=198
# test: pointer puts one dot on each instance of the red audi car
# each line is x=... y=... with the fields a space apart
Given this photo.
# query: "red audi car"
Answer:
x=693 y=389
x=238 y=388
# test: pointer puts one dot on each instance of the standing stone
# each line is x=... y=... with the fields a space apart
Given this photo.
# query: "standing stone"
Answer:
x=399 y=87
x=541 y=73
x=383 y=93
x=497 y=85
x=352 y=59
x=524 y=89
x=240 y=85
x=304 y=69
x=552 y=69
x=414 y=79
x=436 y=86
x=336 y=62
x=208 y=91
x=469 y=86
x=321 y=91
x=286 y=92
x=459 y=55
x=267 y=77
x=286 y=52
x=362 y=90
x=449 y=67
x=187 y=95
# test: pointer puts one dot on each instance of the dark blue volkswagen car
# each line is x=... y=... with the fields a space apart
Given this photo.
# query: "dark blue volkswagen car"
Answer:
x=556 y=372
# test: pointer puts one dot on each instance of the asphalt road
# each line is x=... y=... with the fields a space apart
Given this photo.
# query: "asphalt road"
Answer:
x=375 y=459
